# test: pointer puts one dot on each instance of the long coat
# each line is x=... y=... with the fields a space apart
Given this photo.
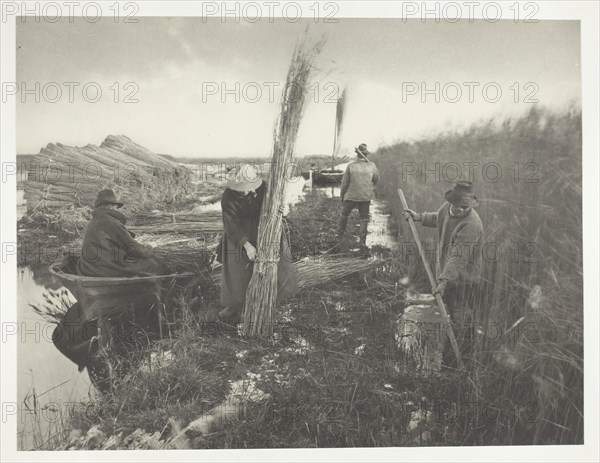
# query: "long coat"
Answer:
x=459 y=257
x=109 y=250
x=241 y=216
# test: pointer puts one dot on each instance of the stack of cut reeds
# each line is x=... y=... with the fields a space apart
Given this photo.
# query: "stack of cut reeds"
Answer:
x=186 y=223
x=182 y=259
x=180 y=256
x=160 y=218
x=61 y=175
x=185 y=228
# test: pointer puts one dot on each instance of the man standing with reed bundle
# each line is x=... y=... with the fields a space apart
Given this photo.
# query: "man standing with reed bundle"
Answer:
x=241 y=205
x=358 y=184
x=459 y=258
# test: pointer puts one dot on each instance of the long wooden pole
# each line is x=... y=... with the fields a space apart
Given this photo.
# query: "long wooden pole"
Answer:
x=432 y=281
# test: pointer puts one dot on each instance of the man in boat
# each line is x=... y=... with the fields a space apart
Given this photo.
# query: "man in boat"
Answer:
x=109 y=249
x=459 y=258
x=357 y=191
x=241 y=207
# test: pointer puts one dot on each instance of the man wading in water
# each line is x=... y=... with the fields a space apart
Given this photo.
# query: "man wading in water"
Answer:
x=358 y=184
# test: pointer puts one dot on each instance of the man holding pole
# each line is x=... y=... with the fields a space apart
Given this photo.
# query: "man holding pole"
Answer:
x=459 y=259
x=357 y=191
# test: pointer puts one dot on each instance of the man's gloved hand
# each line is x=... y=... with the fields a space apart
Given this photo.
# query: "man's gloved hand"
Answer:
x=440 y=288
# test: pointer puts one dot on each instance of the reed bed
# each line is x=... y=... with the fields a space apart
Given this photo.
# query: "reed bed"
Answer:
x=530 y=205
x=261 y=295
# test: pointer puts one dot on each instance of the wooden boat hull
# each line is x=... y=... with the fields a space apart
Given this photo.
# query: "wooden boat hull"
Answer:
x=327 y=177
x=106 y=295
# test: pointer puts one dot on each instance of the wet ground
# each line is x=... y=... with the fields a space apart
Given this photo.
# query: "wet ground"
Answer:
x=47 y=380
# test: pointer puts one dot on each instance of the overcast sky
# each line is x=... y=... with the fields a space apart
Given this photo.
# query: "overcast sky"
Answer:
x=171 y=61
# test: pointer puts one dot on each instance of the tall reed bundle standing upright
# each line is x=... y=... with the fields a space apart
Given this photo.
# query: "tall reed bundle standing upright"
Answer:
x=261 y=296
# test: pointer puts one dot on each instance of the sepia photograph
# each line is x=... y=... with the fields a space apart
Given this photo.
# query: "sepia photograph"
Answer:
x=315 y=228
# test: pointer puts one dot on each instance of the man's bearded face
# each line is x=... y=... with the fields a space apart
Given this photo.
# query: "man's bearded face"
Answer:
x=459 y=211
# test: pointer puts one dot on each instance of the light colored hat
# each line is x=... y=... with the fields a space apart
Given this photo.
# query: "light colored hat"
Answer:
x=243 y=178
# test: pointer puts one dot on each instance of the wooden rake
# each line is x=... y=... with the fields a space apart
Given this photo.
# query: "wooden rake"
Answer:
x=432 y=281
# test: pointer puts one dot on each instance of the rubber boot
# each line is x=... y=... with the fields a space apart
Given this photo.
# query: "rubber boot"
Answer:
x=342 y=227
x=363 y=231
x=341 y=232
x=363 y=236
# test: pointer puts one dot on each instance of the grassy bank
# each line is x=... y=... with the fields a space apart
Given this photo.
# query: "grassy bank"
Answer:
x=527 y=173
x=327 y=378
x=330 y=377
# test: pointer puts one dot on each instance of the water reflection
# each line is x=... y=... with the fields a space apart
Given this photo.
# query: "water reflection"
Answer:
x=48 y=384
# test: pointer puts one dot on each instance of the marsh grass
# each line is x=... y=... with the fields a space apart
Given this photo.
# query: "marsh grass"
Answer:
x=532 y=216
x=331 y=370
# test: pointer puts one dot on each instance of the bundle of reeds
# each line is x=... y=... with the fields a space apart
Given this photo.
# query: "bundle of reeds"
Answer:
x=319 y=270
x=261 y=295
x=189 y=255
x=183 y=259
x=313 y=272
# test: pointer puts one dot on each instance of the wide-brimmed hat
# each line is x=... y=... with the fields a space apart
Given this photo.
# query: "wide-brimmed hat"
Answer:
x=462 y=195
x=363 y=149
x=107 y=197
x=243 y=178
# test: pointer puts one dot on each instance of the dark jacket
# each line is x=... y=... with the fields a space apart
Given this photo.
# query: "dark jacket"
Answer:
x=241 y=216
x=109 y=250
x=459 y=247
